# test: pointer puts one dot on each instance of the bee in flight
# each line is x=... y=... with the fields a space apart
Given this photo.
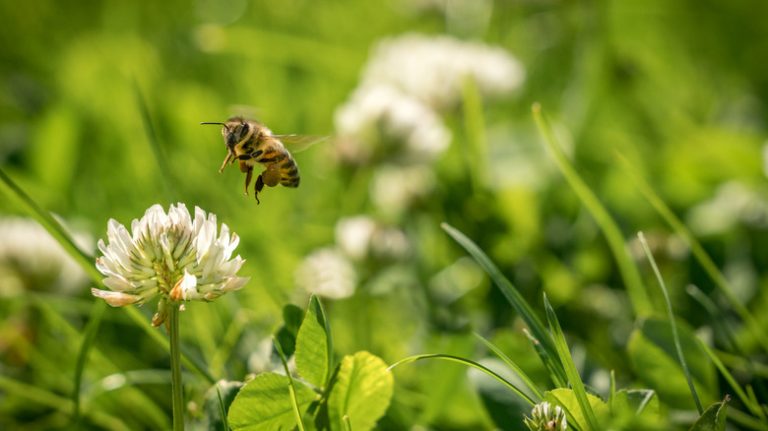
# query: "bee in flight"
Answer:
x=250 y=142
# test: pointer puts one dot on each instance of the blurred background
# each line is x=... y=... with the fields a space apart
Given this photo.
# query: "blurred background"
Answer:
x=428 y=107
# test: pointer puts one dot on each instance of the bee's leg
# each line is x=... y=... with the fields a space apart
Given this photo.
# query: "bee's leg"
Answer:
x=248 y=177
x=259 y=186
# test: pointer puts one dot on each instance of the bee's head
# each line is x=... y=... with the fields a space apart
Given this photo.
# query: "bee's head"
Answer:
x=234 y=130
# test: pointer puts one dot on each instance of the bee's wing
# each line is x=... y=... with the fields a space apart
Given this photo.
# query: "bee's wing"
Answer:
x=299 y=143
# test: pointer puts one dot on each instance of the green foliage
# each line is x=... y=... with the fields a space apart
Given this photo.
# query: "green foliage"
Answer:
x=314 y=347
x=713 y=418
x=360 y=396
x=571 y=403
x=653 y=356
x=265 y=403
x=99 y=119
x=357 y=394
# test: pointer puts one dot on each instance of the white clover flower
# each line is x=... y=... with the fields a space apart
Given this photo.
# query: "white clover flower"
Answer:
x=327 y=272
x=31 y=259
x=170 y=255
x=382 y=120
x=360 y=237
x=545 y=417
x=353 y=236
x=433 y=68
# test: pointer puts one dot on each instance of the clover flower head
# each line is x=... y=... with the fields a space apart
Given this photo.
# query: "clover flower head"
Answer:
x=546 y=417
x=170 y=255
x=397 y=122
x=327 y=272
x=432 y=68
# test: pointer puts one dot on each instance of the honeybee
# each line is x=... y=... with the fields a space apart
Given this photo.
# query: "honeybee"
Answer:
x=249 y=142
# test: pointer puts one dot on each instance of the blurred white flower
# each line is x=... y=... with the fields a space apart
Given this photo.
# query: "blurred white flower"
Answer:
x=382 y=120
x=546 y=417
x=360 y=237
x=170 y=255
x=395 y=188
x=433 y=68
x=353 y=236
x=327 y=272
x=733 y=203
x=31 y=259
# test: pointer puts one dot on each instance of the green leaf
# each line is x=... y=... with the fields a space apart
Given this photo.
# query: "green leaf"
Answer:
x=362 y=391
x=653 y=356
x=265 y=403
x=713 y=418
x=567 y=399
x=313 y=346
x=286 y=335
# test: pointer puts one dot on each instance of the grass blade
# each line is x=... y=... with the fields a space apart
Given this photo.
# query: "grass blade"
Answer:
x=474 y=126
x=467 y=362
x=753 y=407
x=570 y=367
x=671 y=317
x=697 y=249
x=154 y=142
x=53 y=227
x=519 y=371
x=64 y=405
x=629 y=272
x=291 y=389
x=510 y=292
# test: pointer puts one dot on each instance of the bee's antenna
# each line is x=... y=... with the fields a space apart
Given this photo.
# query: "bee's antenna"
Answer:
x=206 y=122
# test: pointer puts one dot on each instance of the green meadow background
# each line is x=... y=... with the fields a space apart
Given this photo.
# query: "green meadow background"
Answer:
x=678 y=89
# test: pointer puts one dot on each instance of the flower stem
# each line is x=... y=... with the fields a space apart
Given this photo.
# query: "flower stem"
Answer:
x=177 y=390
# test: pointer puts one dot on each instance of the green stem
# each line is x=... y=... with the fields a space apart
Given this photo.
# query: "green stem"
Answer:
x=177 y=390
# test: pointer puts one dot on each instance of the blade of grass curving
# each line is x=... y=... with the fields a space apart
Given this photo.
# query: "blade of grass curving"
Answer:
x=671 y=317
x=716 y=316
x=511 y=364
x=508 y=289
x=570 y=367
x=468 y=362
x=746 y=421
x=62 y=404
x=474 y=126
x=646 y=400
x=222 y=409
x=53 y=319
x=696 y=248
x=53 y=227
x=154 y=142
x=291 y=389
x=753 y=407
x=629 y=272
